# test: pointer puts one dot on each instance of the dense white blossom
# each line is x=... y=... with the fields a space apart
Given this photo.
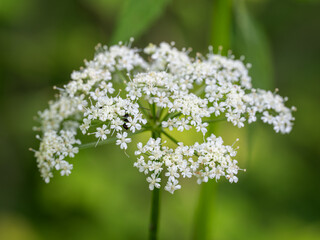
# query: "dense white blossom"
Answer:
x=208 y=160
x=124 y=91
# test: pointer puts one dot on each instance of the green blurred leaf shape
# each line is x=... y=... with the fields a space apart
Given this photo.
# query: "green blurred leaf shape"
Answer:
x=221 y=23
x=13 y=10
x=220 y=36
x=251 y=41
x=137 y=16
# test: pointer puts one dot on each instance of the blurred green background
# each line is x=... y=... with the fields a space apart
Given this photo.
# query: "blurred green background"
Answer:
x=42 y=42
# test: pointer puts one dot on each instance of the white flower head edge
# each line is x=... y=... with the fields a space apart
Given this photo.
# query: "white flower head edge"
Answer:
x=170 y=90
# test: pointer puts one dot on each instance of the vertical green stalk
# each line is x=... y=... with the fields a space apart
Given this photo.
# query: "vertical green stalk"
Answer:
x=203 y=217
x=220 y=36
x=155 y=199
x=154 y=219
x=221 y=22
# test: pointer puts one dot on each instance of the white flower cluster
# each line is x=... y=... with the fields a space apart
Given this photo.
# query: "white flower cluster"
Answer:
x=54 y=148
x=227 y=86
x=163 y=89
x=208 y=160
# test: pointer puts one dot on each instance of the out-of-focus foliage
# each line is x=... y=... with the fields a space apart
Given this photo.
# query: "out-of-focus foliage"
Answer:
x=250 y=39
x=135 y=17
x=41 y=42
x=221 y=23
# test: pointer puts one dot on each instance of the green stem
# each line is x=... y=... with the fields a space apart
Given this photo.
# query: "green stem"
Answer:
x=154 y=213
x=215 y=120
x=203 y=218
x=160 y=111
x=200 y=90
x=143 y=110
x=171 y=115
x=174 y=140
x=123 y=77
x=155 y=203
x=154 y=111
x=170 y=137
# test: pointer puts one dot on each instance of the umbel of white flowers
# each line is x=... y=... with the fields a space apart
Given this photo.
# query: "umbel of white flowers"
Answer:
x=163 y=89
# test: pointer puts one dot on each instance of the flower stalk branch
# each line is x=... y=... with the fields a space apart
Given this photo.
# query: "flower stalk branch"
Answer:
x=108 y=141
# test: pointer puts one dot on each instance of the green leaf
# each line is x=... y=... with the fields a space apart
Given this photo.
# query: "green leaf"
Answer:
x=251 y=41
x=137 y=16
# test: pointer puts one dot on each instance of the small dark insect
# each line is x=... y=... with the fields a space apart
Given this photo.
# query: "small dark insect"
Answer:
x=125 y=119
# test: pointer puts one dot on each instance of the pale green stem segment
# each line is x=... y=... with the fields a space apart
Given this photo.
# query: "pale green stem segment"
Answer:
x=200 y=90
x=171 y=115
x=170 y=137
x=144 y=110
x=203 y=218
x=175 y=141
x=155 y=205
x=215 y=120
